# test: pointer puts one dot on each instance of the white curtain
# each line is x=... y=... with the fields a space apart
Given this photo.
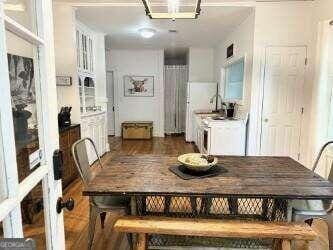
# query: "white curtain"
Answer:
x=175 y=77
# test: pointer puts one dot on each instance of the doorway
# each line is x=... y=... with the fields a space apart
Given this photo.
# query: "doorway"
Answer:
x=175 y=95
x=283 y=101
x=111 y=103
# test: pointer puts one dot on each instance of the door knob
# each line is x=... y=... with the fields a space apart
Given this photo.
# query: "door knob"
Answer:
x=69 y=204
x=266 y=120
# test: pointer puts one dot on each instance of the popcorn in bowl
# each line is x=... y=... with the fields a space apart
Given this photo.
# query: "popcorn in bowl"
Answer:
x=197 y=162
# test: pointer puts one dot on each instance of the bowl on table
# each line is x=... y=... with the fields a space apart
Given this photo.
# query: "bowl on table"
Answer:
x=198 y=162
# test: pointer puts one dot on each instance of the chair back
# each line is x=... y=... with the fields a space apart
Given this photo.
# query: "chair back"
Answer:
x=327 y=204
x=315 y=165
x=80 y=151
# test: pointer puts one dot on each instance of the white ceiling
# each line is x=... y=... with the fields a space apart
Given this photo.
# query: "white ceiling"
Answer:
x=124 y=2
x=121 y=24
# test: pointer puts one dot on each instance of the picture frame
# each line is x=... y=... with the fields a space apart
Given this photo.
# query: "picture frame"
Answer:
x=64 y=80
x=138 y=86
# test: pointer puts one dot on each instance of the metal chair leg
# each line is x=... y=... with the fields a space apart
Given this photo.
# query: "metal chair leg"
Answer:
x=102 y=216
x=92 y=223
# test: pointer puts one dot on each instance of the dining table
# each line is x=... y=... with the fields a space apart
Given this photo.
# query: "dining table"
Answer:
x=251 y=187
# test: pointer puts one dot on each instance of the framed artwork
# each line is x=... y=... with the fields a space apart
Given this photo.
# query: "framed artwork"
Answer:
x=138 y=86
x=23 y=97
x=22 y=81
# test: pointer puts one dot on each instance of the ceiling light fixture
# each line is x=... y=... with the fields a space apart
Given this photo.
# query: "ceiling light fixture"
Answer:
x=173 y=7
x=15 y=7
x=147 y=32
x=173 y=11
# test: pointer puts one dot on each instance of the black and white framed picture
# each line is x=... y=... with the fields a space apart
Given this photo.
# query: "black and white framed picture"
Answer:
x=138 y=86
x=22 y=81
x=23 y=96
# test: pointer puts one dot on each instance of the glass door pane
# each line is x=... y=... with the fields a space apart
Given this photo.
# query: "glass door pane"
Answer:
x=24 y=87
x=23 y=12
x=33 y=217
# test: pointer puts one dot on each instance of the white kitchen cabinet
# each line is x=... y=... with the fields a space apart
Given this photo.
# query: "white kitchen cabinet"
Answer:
x=224 y=137
x=94 y=127
x=85 y=49
x=227 y=138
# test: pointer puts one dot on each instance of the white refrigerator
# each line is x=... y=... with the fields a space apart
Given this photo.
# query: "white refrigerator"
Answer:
x=198 y=98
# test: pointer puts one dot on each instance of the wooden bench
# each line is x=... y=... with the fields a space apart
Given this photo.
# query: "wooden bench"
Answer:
x=282 y=232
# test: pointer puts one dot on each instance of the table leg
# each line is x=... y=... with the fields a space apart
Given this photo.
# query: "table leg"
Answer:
x=134 y=212
x=233 y=206
x=264 y=213
x=167 y=202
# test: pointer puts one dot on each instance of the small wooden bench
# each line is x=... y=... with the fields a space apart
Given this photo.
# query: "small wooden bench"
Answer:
x=283 y=232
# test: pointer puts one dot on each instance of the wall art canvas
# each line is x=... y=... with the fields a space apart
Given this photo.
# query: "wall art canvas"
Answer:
x=23 y=96
x=138 y=86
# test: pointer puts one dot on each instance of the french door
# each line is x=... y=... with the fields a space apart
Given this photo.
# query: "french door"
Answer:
x=282 y=103
x=28 y=117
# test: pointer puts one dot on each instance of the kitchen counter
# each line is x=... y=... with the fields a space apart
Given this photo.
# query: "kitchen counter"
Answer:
x=63 y=129
x=220 y=137
x=205 y=112
x=92 y=113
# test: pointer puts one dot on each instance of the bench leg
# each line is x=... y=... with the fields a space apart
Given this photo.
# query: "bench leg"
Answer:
x=279 y=244
x=285 y=245
x=142 y=242
x=302 y=245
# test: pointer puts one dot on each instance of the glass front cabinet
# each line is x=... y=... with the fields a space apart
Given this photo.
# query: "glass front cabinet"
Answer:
x=85 y=66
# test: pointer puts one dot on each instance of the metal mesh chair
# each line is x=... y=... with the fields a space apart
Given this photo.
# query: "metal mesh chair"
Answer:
x=314 y=208
x=99 y=205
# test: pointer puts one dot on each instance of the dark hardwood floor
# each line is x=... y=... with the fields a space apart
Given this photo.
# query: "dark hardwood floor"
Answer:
x=76 y=221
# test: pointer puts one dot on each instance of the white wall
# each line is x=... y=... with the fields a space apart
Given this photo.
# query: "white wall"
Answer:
x=65 y=57
x=100 y=70
x=280 y=24
x=242 y=38
x=66 y=60
x=323 y=11
x=141 y=63
x=201 y=64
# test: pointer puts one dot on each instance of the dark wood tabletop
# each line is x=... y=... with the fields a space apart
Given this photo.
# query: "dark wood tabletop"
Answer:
x=269 y=177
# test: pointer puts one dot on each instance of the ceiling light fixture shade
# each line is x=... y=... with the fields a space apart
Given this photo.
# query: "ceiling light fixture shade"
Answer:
x=173 y=11
x=147 y=32
x=173 y=6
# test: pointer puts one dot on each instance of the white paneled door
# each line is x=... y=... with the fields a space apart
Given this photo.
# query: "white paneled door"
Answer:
x=28 y=117
x=282 y=101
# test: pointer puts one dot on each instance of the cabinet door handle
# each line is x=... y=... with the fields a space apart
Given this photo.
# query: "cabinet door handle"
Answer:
x=266 y=120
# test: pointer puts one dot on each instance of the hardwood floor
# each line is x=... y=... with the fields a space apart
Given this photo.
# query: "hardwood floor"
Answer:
x=76 y=221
